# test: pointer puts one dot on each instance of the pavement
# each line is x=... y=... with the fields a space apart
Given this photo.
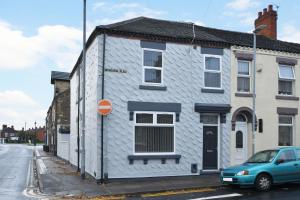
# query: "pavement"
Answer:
x=58 y=178
x=15 y=162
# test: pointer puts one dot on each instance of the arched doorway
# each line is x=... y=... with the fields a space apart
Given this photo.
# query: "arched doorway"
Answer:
x=241 y=139
x=241 y=118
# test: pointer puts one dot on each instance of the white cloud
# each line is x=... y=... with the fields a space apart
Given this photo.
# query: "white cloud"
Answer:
x=115 y=12
x=290 y=33
x=242 y=4
x=17 y=107
x=58 y=44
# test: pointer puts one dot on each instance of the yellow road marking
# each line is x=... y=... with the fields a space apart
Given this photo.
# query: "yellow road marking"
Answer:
x=110 y=198
x=167 y=193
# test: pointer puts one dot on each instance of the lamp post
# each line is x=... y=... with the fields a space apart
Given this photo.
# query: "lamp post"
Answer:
x=257 y=30
x=82 y=168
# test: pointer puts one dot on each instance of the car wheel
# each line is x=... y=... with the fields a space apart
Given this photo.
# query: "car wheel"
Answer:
x=263 y=182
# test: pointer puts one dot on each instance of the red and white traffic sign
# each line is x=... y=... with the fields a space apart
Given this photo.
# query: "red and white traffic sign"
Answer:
x=104 y=107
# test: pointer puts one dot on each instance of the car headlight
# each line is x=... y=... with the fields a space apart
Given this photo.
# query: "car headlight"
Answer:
x=242 y=173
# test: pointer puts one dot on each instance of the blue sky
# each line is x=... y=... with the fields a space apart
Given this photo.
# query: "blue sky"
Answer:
x=38 y=36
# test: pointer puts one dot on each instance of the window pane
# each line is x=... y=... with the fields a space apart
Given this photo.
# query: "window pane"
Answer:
x=298 y=154
x=285 y=135
x=285 y=87
x=154 y=139
x=287 y=155
x=239 y=139
x=285 y=120
x=152 y=76
x=243 y=84
x=164 y=119
x=209 y=119
x=286 y=72
x=212 y=79
x=212 y=63
x=152 y=58
x=144 y=118
x=243 y=68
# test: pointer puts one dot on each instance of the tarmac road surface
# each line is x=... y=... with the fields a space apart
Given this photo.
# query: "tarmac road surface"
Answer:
x=15 y=160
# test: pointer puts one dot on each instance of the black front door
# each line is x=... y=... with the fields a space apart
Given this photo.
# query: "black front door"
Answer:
x=210 y=147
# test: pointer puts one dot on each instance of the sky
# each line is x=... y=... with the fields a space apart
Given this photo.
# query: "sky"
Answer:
x=39 y=36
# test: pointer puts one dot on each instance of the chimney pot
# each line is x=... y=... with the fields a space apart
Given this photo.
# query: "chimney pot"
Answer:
x=265 y=10
x=270 y=7
x=259 y=14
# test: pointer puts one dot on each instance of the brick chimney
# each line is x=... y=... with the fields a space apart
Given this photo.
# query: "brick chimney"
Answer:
x=269 y=18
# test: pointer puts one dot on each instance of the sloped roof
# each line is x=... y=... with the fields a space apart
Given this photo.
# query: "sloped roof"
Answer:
x=184 y=32
x=56 y=75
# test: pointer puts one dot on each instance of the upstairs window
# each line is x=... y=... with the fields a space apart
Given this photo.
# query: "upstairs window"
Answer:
x=243 y=76
x=286 y=80
x=152 y=67
x=212 y=72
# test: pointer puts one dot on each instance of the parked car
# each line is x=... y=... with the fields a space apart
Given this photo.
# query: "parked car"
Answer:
x=265 y=168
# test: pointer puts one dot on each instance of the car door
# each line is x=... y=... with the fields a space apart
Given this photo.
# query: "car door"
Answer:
x=297 y=152
x=287 y=170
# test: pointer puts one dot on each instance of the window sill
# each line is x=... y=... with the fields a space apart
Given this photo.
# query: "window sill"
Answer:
x=240 y=94
x=145 y=158
x=286 y=97
x=208 y=90
x=152 y=87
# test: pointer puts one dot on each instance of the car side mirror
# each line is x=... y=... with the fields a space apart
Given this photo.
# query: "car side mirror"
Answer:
x=279 y=161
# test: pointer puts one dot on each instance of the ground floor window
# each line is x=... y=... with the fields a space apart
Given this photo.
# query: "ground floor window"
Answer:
x=154 y=132
x=285 y=137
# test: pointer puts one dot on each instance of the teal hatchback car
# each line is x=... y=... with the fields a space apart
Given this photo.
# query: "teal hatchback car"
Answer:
x=265 y=168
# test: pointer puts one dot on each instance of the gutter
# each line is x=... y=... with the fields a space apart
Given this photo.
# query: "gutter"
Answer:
x=78 y=111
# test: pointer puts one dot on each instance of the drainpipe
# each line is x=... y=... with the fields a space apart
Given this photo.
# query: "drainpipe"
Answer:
x=102 y=117
x=82 y=170
x=78 y=121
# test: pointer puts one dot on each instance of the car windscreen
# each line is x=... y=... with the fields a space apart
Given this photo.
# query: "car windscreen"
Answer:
x=263 y=156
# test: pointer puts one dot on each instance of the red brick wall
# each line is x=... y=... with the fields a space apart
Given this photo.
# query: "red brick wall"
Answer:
x=269 y=18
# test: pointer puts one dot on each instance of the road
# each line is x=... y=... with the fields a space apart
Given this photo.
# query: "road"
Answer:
x=14 y=163
x=285 y=192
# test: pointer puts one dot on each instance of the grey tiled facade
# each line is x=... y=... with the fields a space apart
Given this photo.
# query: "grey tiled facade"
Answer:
x=183 y=80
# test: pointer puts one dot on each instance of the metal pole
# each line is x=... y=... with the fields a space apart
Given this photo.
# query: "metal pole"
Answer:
x=25 y=133
x=82 y=170
x=254 y=93
x=34 y=133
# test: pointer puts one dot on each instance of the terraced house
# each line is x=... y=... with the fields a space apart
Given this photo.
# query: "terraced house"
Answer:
x=169 y=83
x=181 y=97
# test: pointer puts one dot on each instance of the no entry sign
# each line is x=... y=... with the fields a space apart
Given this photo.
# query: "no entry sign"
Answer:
x=104 y=107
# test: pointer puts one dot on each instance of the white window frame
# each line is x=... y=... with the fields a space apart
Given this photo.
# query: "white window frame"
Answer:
x=219 y=138
x=244 y=76
x=212 y=71
x=155 y=124
x=289 y=125
x=151 y=67
x=287 y=79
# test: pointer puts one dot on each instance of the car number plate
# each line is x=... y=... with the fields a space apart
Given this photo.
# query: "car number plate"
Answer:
x=227 y=179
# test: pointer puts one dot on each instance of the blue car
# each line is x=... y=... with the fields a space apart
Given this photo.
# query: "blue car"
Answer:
x=265 y=168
